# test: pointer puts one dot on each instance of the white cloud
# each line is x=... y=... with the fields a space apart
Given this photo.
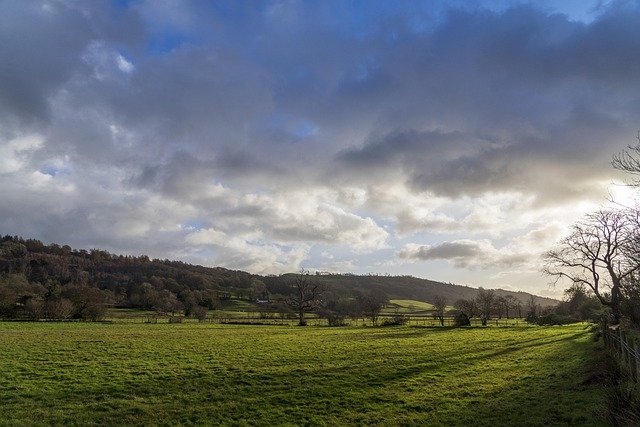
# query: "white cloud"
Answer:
x=14 y=152
x=254 y=256
x=124 y=65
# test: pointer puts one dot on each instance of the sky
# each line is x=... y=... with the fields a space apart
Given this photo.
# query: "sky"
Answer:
x=449 y=140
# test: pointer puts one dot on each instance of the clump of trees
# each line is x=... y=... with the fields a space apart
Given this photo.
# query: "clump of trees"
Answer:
x=600 y=253
x=337 y=308
x=579 y=304
x=485 y=306
x=39 y=281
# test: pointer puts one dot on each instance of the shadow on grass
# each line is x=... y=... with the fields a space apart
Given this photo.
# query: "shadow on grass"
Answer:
x=346 y=388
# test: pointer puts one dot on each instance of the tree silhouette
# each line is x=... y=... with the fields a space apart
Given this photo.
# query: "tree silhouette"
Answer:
x=306 y=296
x=600 y=252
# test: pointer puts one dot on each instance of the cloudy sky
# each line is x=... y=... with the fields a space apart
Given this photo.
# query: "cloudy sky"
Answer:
x=447 y=140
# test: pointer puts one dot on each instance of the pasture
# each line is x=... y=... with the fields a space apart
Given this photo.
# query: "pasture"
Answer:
x=200 y=373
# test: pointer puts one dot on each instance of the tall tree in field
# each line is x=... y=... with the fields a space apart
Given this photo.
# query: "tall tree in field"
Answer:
x=501 y=307
x=307 y=294
x=518 y=308
x=485 y=302
x=439 y=306
x=511 y=303
x=533 y=309
x=372 y=303
x=601 y=252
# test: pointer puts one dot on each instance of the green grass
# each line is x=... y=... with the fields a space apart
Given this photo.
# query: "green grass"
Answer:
x=409 y=305
x=124 y=373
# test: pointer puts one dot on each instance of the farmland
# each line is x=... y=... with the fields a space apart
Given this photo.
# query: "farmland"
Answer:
x=134 y=373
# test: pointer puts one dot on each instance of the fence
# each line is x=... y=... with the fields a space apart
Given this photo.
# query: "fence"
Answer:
x=313 y=319
x=624 y=347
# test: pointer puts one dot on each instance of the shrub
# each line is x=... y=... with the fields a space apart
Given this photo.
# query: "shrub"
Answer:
x=462 y=319
x=554 y=319
x=396 y=320
x=199 y=313
x=336 y=319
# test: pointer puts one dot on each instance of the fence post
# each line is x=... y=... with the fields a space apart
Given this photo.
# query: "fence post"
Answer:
x=631 y=360
x=637 y=362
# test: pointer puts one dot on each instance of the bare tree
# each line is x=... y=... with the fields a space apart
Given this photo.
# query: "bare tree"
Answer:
x=533 y=309
x=600 y=252
x=511 y=303
x=518 y=307
x=501 y=306
x=307 y=295
x=439 y=306
x=372 y=303
x=629 y=161
x=485 y=302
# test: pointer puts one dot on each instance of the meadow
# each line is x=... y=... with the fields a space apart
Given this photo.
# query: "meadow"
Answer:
x=200 y=373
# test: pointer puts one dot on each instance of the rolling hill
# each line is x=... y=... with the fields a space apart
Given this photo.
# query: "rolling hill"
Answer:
x=30 y=269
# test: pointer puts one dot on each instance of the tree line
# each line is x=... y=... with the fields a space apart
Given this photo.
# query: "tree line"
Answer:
x=39 y=281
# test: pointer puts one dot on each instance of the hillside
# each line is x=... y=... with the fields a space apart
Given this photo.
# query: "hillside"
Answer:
x=414 y=288
x=36 y=277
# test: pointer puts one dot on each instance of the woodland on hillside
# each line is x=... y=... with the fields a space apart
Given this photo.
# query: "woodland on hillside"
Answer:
x=57 y=282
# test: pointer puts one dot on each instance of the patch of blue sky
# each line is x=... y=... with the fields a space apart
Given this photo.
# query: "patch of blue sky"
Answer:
x=577 y=10
x=304 y=129
x=123 y=4
x=52 y=170
x=166 y=42
x=194 y=224
x=295 y=126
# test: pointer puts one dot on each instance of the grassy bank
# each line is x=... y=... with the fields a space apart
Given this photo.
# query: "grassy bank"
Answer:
x=83 y=373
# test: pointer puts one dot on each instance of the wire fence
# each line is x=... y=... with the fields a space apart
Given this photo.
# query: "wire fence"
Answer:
x=625 y=348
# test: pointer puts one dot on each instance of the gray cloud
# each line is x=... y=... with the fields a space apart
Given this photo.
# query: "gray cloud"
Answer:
x=40 y=51
x=466 y=254
x=289 y=126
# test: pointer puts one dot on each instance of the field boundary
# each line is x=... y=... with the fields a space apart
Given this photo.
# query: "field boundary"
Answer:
x=625 y=348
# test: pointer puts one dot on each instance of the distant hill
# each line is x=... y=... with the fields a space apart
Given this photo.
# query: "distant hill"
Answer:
x=33 y=274
x=409 y=287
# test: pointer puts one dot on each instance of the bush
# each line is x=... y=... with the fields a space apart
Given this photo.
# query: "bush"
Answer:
x=58 y=309
x=462 y=319
x=396 y=320
x=554 y=319
x=199 y=313
x=336 y=319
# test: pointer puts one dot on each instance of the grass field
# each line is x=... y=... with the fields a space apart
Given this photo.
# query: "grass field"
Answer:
x=409 y=305
x=123 y=373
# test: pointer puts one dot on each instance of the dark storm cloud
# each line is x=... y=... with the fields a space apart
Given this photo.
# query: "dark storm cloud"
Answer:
x=40 y=50
x=506 y=98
